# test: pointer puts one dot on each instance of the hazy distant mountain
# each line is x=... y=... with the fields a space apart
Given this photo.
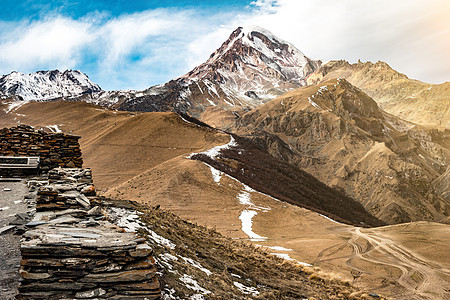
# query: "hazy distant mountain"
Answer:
x=46 y=85
x=412 y=100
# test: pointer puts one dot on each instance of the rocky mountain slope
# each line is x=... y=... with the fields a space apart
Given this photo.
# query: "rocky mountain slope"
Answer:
x=251 y=67
x=47 y=85
x=412 y=100
x=337 y=133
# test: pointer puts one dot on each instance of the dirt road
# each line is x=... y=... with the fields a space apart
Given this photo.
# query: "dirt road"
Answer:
x=419 y=277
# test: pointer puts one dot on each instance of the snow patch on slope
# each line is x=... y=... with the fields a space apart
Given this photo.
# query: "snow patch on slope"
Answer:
x=247 y=223
x=192 y=284
x=216 y=174
x=14 y=105
x=287 y=257
x=246 y=289
x=54 y=128
x=196 y=264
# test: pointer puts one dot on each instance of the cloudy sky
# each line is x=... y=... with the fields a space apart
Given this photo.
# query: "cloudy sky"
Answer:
x=123 y=44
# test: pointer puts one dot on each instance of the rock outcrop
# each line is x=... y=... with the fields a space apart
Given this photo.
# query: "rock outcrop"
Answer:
x=412 y=100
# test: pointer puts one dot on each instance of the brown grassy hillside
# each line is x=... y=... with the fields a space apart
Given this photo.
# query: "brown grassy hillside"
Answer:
x=118 y=145
x=223 y=268
x=193 y=191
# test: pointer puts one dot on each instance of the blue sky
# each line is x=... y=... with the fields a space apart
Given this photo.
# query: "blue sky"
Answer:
x=136 y=44
x=36 y=9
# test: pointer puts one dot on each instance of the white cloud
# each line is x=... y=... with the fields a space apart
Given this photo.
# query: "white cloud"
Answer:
x=52 y=41
x=122 y=35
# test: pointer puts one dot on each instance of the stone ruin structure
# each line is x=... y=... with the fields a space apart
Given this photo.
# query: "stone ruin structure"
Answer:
x=53 y=149
x=70 y=250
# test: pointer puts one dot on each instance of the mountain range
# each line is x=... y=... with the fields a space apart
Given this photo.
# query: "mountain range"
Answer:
x=47 y=85
x=261 y=130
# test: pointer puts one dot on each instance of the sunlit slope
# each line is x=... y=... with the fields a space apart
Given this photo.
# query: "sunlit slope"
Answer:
x=413 y=100
x=405 y=261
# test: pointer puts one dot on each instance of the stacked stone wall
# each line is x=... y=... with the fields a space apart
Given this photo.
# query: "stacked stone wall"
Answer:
x=72 y=251
x=54 y=149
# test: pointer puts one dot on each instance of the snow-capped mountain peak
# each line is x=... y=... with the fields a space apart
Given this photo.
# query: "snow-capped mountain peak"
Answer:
x=267 y=44
x=254 y=59
x=46 y=85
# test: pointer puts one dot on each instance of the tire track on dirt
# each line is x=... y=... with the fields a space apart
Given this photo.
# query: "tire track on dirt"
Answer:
x=419 y=276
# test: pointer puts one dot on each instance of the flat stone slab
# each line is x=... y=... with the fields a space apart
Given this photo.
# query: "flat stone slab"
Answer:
x=104 y=237
x=6 y=228
x=35 y=223
x=125 y=276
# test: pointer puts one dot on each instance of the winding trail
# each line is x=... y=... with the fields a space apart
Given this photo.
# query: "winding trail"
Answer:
x=421 y=278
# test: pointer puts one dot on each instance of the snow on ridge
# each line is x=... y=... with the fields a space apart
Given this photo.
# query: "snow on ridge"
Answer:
x=293 y=57
x=314 y=103
x=330 y=219
x=322 y=89
x=215 y=151
x=189 y=123
x=12 y=106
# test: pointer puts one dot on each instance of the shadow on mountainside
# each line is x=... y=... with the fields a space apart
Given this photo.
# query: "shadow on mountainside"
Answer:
x=251 y=165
